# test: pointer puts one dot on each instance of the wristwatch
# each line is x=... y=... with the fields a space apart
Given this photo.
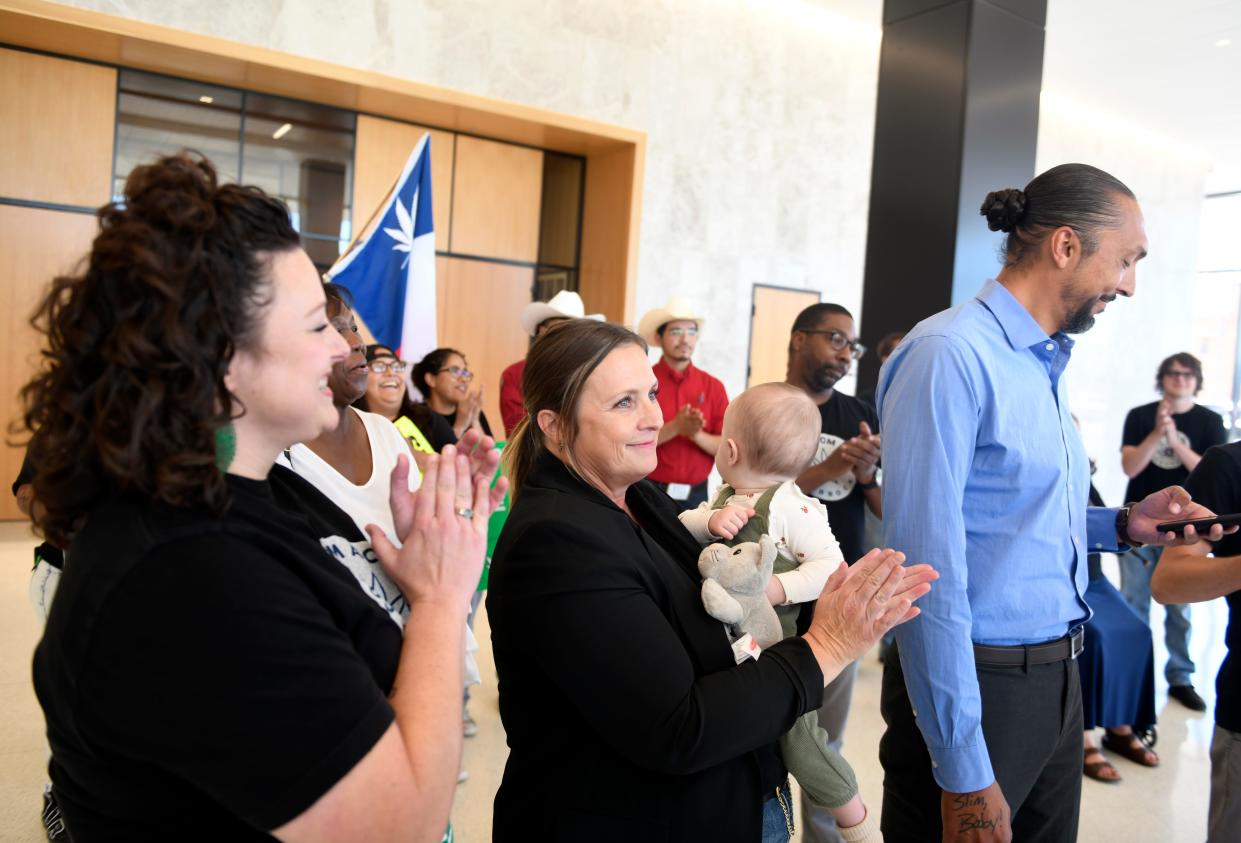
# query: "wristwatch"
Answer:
x=866 y=487
x=1122 y=525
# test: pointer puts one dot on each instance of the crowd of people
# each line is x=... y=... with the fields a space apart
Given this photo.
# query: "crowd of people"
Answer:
x=266 y=555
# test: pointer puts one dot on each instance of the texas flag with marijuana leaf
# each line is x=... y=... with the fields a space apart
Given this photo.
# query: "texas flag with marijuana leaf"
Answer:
x=391 y=273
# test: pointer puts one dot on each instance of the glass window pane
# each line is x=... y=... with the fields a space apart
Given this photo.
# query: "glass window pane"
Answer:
x=303 y=153
x=1221 y=220
x=161 y=116
x=561 y=209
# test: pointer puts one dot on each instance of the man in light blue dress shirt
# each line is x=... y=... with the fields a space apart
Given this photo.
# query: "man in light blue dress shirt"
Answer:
x=985 y=478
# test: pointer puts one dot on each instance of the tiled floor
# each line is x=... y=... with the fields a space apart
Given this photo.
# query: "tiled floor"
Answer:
x=1163 y=805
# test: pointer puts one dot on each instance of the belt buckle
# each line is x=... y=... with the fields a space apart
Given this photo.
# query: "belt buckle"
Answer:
x=1077 y=642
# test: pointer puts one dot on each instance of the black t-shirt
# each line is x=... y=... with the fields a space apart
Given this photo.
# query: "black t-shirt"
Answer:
x=433 y=426
x=1199 y=428
x=1216 y=484
x=210 y=679
x=845 y=502
x=48 y=552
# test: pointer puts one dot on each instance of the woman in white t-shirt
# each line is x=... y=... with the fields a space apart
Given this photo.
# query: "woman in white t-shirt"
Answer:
x=352 y=464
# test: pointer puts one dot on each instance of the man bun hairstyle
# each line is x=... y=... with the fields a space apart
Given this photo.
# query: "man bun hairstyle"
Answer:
x=1079 y=196
x=1004 y=209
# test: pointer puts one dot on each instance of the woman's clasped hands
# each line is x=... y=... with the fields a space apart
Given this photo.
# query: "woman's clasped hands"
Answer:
x=443 y=526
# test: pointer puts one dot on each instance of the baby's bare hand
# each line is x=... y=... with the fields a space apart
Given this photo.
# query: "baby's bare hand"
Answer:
x=727 y=522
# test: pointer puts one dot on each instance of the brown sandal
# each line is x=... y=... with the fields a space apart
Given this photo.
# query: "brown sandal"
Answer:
x=1098 y=770
x=1125 y=745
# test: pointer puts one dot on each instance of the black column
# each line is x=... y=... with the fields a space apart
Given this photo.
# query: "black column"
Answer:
x=957 y=116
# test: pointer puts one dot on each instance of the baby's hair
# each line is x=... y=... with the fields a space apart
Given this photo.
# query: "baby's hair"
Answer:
x=777 y=428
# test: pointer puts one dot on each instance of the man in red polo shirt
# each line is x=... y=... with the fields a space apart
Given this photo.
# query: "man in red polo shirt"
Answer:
x=693 y=403
x=536 y=318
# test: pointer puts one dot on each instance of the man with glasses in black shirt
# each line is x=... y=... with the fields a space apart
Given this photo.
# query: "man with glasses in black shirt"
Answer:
x=1163 y=442
x=822 y=348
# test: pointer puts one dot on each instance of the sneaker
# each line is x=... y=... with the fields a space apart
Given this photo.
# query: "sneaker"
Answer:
x=53 y=822
x=1188 y=697
x=471 y=728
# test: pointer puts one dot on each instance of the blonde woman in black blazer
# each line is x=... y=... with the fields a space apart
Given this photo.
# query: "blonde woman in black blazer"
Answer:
x=626 y=715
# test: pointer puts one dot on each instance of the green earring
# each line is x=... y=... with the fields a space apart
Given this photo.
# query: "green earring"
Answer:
x=225 y=446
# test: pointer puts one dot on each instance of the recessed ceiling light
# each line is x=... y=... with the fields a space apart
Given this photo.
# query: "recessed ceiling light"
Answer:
x=1223 y=42
x=282 y=131
x=208 y=100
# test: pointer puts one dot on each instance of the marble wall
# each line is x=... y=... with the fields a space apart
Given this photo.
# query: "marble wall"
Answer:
x=759 y=117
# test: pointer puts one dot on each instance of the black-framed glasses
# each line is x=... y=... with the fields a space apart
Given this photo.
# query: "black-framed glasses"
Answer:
x=458 y=372
x=1180 y=374
x=839 y=340
x=382 y=367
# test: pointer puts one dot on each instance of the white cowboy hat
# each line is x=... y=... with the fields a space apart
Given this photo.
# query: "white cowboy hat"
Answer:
x=566 y=305
x=677 y=309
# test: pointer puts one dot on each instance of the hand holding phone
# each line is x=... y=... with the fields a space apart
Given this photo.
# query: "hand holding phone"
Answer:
x=1201 y=525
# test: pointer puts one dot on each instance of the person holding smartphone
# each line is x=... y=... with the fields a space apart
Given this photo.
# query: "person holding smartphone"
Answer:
x=1163 y=442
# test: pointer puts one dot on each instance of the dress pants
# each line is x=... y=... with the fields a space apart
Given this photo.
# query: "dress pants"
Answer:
x=1032 y=722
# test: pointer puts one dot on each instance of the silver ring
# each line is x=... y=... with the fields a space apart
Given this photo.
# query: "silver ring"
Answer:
x=465 y=512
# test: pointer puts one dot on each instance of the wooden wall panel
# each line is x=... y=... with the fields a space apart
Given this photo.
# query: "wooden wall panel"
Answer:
x=610 y=214
x=774 y=313
x=56 y=129
x=497 y=193
x=478 y=305
x=35 y=245
x=380 y=151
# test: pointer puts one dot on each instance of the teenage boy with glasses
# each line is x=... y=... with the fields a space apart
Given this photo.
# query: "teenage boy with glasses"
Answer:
x=1163 y=442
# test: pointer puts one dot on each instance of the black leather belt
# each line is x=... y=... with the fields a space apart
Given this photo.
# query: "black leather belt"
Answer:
x=1022 y=655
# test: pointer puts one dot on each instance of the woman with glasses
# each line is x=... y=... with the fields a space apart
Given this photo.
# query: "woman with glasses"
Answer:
x=443 y=378
x=426 y=432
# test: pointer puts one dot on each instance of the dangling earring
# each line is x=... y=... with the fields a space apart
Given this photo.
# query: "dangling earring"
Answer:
x=225 y=446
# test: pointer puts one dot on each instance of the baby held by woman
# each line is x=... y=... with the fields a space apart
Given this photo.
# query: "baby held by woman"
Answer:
x=769 y=437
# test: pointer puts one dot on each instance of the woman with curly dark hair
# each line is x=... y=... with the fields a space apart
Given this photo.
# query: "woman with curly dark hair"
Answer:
x=208 y=671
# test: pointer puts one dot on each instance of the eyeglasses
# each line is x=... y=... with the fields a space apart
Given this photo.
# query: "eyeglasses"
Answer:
x=457 y=372
x=1179 y=374
x=677 y=333
x=382 y=367
x=839 y=341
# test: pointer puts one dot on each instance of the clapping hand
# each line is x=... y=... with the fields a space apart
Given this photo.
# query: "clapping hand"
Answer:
x=862 y=453
x=483 y=460
x=445 y=539
x=859 y=604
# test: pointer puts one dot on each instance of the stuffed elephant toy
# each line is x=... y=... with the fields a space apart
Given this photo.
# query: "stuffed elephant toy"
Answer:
x=734 y=588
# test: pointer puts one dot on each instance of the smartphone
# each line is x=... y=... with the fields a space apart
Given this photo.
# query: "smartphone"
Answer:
x=1201 y=525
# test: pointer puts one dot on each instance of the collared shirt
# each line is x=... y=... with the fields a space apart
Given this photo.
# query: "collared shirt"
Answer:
x=512 y=404
x=985 y=478
x=680 y=460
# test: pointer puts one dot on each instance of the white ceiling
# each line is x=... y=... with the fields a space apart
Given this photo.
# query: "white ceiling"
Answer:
x=1152 y=64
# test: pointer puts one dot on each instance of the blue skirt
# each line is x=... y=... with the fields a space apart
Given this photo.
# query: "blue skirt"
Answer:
x=1117 y=664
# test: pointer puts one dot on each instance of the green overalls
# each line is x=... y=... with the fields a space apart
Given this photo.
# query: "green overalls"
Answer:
x=825 y=777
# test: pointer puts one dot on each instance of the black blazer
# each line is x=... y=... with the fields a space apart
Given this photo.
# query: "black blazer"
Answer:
x=626 y=716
